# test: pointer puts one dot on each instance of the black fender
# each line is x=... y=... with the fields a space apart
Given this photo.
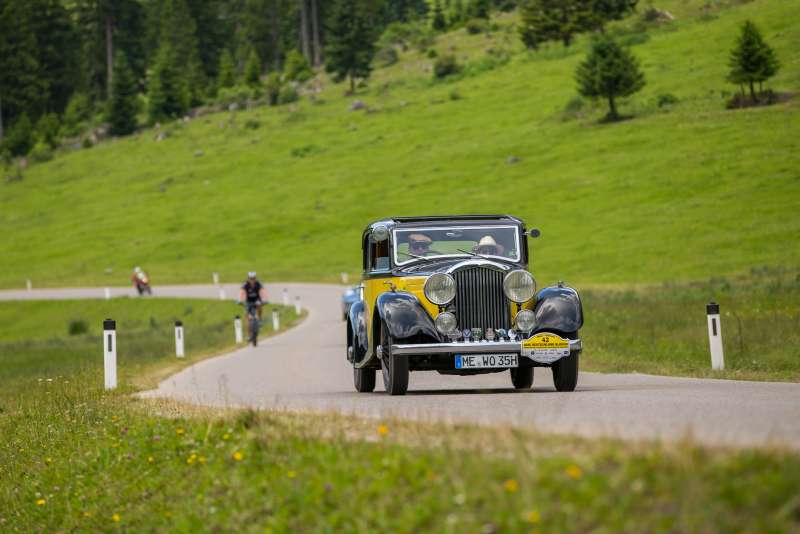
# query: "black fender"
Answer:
x=405 y=316
x=357 y=331
x=558 y=308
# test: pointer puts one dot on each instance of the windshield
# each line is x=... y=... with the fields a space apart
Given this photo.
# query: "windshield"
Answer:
x=486 y=241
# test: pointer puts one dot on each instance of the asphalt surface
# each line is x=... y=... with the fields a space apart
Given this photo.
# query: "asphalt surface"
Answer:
x=305 y=369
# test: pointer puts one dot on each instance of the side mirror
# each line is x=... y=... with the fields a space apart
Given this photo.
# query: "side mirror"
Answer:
x=534 y=232
x=380 y=233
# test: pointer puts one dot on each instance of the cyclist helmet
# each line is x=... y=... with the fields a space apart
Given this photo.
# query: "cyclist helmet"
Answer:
x=251 y=274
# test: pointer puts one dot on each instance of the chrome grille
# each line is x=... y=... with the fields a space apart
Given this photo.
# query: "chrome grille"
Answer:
x=480 y=302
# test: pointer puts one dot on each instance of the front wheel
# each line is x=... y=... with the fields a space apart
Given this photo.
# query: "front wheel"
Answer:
x=522 y=377
x=254 y=331
x=394 y=367
x=565 y=370
x=364 y=380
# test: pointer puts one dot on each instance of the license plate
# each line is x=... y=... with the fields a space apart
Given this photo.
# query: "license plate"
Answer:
x=486 y=361
x=545 y=347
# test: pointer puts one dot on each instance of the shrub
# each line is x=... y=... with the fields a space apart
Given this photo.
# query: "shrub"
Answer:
x=432 y=53
x=238 y=94
x=47 y=129
x=446 y=66
x=77 y=327
x=252 y=124
x=297 y=67
x=574 y=108
x=387 y=56
x=667 y=99
x=455 y=95
x=288 y=95
x=41 y=152
x=76 y=115
x=19 y=138
x=475 y=26
x=273 y=88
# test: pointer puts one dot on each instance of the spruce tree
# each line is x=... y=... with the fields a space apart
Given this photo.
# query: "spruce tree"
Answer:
x=124 y=106
x=351 y=42
x=609 y=71
x=438 y=22
x=227 y=69
x=753 y=60
x=166 y=91
x=480 y=9
x=552 y=20
x=179 y=31
x=252 y=69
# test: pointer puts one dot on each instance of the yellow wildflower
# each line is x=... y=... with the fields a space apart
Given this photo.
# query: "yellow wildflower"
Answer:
x=179 y=431
x=574 y=472
x=201 y=459
x=40 y=502
x=87 y=514
x=291 y=474
x=238 y=456
x=533 y=517
x=383 y=430
x=150 y=459
x=48 y=461
x=116 y=518
x=511 y=485
x=226 y=436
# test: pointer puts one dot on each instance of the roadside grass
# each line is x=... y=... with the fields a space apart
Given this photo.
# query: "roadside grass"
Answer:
x=663 y=330
x=676 y=194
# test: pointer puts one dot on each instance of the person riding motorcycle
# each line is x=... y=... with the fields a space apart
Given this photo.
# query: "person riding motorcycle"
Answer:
x=253 y=292
x=141 y=281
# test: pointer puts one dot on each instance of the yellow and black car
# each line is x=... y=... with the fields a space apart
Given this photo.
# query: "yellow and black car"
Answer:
x=453 y=294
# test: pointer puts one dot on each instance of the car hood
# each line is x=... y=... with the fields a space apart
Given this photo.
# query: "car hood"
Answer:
x=432 y=266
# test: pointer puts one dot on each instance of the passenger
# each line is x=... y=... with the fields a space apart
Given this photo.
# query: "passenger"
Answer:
x=419 y=244
x=488 y=246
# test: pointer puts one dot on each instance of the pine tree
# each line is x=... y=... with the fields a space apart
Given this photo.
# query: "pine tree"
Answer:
x=252 y=69
x=297 y=68
x=480 y=9
x=438 y=22
x=178 y=29
x=351 y=42
x=552 y=20
x=227 y=69
x=609 y=71
x=124 y=106
x=166 y=91
x=753 y=60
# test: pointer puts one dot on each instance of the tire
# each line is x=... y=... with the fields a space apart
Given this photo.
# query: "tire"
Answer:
x=522 y=377
x=394 y=367
x=254 y=332
x=364 y=380
x=565 y=370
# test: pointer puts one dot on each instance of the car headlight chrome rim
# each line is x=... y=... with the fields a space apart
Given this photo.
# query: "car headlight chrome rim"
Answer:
x=525 y=321
x=440 y=289
x=446 y=323
x=519 y=286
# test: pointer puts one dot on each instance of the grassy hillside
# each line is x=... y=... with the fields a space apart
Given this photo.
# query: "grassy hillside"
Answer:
x=680 y=193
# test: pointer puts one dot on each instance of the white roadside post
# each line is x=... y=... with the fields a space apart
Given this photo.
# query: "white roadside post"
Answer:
x=345 y=277
x=179 y=339
x=110 y=353
x=29 y=284
x=215 y=278
x=108 y=293
x=715 y=337
x=221 y=294
x=276 y=320
x=237 y=329
x=285 y=297
x=297 y=308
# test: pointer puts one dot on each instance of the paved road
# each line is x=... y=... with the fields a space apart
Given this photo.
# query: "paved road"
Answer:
x=305 y=369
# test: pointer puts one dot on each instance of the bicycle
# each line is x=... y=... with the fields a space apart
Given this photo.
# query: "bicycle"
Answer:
x=253 y=324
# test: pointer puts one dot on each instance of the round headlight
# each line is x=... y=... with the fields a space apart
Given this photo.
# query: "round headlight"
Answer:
x=525 y=321
x=440 y=288
x=519 y=286
x=446 y=323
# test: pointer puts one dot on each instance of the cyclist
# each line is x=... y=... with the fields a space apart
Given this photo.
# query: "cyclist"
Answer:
x=253 y=292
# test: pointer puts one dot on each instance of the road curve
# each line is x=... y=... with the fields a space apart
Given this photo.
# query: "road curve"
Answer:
x=305 y=369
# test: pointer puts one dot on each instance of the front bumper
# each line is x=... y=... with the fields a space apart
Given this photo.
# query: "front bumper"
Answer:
x=478 y=347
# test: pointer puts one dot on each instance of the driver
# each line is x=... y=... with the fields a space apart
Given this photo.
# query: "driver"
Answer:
x=419 y=244
x=253 y=292
x=488 y=246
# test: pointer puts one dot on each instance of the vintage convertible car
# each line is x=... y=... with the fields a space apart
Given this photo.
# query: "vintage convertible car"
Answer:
x=453 y=294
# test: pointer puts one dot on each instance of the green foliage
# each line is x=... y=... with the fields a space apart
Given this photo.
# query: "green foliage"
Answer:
x=752 y=60
x=438 y=20
x=288 y=94
x=124 y=99
x=445 y=66
x=274 y=85
x=167 y=93
x=77 y=327
x=77 y=113
x=666 y=100
x=350 y=43
x=41 y=152
x=404 y=36
x=238 y=94
x=47 y=129
x=252 y=69
x=179 y=35
x=561 y=20
x=609 y=71
x=227 y=69
x=479 y=9
x=475 y=26
x=19 y=138
x=297 y=68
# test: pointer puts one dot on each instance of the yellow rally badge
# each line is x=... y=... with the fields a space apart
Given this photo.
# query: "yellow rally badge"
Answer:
x=545 y=347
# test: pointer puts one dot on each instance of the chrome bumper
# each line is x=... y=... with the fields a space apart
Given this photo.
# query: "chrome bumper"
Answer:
x=478 y=347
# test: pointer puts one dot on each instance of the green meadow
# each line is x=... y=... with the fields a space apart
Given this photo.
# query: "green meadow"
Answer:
x=683 y=192
x=76 y=458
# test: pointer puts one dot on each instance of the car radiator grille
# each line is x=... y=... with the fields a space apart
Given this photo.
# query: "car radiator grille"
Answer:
x=480 y=301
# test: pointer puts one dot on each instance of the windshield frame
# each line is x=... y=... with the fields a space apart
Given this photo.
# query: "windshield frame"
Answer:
x=515 y=228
